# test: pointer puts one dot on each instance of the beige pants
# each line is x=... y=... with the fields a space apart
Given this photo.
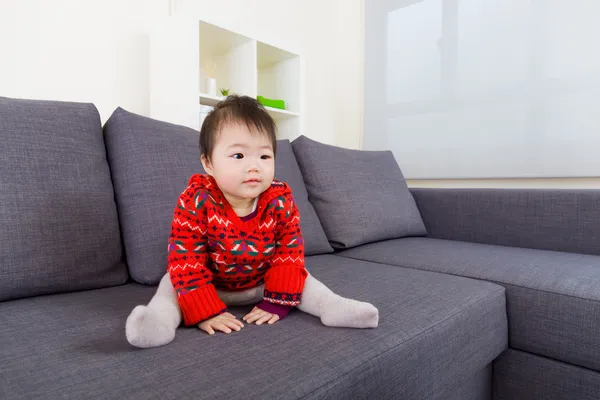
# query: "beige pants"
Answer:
x=242 y=298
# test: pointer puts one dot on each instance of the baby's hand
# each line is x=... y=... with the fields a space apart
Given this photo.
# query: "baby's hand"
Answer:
x=260 y=316
x=224 y=322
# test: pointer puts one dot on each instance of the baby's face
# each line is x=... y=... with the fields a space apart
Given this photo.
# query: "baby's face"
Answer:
x=242 y=163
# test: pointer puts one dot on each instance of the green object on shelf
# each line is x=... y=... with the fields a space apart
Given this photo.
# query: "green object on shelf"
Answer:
x=271 y=102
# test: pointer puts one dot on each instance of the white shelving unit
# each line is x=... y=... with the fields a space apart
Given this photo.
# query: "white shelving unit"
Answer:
x=184 y=53
x=208 y=100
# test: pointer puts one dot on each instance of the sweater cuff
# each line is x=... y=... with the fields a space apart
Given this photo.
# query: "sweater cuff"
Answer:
x=284 y=284
x=278 y=309
x=200 y=304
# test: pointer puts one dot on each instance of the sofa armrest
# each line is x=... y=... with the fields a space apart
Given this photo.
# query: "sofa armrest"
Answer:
x=560 y=220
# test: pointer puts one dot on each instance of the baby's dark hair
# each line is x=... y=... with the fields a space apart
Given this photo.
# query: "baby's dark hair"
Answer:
x=236 y=109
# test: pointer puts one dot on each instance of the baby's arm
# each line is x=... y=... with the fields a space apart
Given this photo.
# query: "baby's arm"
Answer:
x=188 y=259
x=285 y=279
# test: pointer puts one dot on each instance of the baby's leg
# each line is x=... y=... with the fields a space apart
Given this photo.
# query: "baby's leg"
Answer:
x=154 y=325
x=334 y=310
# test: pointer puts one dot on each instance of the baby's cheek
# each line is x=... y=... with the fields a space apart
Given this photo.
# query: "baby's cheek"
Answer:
x=229 y=179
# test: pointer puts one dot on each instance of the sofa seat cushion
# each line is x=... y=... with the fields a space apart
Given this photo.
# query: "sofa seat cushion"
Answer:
x=436 y=332
x=553 y=298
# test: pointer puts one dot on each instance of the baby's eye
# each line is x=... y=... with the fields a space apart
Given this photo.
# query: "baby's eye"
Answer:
x=238 y=156
x=265 y=157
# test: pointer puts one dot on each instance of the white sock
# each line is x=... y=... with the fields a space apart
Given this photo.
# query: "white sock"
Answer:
x=155 y=324
x=335 y=310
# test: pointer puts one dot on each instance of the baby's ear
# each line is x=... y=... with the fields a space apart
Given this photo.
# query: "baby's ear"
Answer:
x=206 y=164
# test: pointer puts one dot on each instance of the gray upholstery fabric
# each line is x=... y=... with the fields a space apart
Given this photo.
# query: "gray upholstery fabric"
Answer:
x=477 y=387
x=59 y=229
x=287 y=170
x=524 y=376
x=435 y=332
x=151 y=162
x=360 y=196
x=560 y=220
x=553 y=298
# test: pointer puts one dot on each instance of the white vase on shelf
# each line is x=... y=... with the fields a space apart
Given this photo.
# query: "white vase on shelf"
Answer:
x=211 y=86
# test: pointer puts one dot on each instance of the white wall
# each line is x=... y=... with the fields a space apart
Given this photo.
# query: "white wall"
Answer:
x=97 y=51
x=89 y=51
x=349 y=70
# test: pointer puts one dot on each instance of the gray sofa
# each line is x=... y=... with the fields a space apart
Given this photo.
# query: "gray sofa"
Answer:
x=482 y=293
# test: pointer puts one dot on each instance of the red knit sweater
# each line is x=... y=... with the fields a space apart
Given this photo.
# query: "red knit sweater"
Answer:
x=210 y=246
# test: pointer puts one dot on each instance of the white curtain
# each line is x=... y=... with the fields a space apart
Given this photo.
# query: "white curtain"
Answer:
x=484 y=88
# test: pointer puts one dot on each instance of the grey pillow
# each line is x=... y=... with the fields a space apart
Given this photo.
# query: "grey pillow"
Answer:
x=151 y=162
x=59 y=230
x=360 y=196
x=287 y=170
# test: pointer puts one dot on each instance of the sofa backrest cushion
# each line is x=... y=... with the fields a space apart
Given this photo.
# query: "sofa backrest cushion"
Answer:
x=59 y=229
x=566 y=220
x=287 y=170
x=360 y=196
x=151 y=162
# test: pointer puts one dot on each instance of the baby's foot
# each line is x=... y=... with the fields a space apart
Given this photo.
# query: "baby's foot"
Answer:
x=145 y=328
x=338 y=311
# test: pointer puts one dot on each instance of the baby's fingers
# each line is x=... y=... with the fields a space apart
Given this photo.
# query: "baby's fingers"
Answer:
x=255 y=316
x=222 y=327
x=230 y=318
x=264 y=318
x=251 y=314
x=273 y=319
x=235 y=325
x=238 y=323
x=207 y=328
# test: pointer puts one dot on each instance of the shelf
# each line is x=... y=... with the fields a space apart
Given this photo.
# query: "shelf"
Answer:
x=187 y=54
x=227 y=57
x=279 y=114
x=218 y=41
x=269 y=55
x=276 y=113
x=208 y=100
x=278 y=76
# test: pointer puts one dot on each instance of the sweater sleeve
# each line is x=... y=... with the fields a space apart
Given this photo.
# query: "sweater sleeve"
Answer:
x=274 y=308
x=284 y=281
x=188 y=260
